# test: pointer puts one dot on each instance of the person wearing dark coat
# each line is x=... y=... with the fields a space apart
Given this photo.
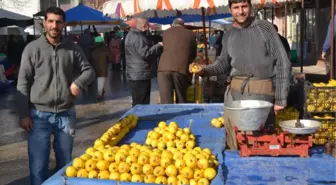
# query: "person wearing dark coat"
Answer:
x=138 y=52
x=179 y=50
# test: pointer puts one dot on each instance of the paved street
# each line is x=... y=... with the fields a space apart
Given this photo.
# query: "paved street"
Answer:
x=93 y=119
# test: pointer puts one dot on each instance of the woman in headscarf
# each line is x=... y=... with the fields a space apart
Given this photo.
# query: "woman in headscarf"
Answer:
x=100 y=58
x=114 y=46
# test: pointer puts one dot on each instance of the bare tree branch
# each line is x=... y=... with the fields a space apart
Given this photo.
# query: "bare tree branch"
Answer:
x=96 y=4
x=13 y=3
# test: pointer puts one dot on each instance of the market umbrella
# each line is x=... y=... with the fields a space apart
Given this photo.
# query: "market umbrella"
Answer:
x=132 y=22
x=163 y=8
x=8 y=18
x=267 y=3
x=188 y=18
x=84 y=15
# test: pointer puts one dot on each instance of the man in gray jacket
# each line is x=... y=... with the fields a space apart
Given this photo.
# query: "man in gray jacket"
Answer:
x=139 y=54
x=46 y=94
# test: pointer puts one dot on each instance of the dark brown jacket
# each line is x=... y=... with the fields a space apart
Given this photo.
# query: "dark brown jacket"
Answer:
x=179 y=50
x=101 y=55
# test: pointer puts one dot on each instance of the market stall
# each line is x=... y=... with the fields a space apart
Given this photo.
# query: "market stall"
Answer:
x=197 y=118
x=232 y=168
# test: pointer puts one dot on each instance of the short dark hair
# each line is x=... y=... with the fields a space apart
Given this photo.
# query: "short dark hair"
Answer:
x=238 y=1
x=56 y=11
x=276 y=27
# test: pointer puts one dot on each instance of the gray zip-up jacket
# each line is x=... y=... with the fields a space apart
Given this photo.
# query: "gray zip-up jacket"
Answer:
x=46 y=74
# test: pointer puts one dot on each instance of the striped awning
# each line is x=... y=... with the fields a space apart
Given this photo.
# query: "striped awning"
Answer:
x=162 y=8
x=263 y=3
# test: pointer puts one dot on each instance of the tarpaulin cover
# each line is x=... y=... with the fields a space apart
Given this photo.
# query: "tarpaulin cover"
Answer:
x=319 y=169
x=8 y=18
x=82 y=14
x=199 y=116
x=187 y=18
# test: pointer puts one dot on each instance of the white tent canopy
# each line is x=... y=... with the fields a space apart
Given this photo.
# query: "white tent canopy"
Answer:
x=163 y=8
x=11 y=15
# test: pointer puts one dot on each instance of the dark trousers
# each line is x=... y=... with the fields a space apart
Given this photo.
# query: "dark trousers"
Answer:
x=141 y=90
x=169 y=81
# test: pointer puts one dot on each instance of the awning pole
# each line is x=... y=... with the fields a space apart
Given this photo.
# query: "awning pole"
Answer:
x=285 y=20
x=332 y=47
x=302 y=34
x=273 y=14
x=81 y=28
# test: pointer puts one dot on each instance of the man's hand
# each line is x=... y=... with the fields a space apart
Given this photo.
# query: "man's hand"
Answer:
x=196 y=68
x=161 y=43
x=324 y=55
x=278 y=108
x=74 y=90
x=26 y=123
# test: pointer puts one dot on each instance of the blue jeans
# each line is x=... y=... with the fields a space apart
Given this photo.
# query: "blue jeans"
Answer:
x=62 y=126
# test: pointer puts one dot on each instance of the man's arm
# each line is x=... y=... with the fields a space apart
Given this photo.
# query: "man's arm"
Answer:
x=222 y=65
x=87 y=73
x=283 y=65
x=145 y=50
x=24 y=83
x=326 y=45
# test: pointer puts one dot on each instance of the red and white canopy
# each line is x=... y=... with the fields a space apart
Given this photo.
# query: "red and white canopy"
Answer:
x=162 y=8
x=261 y=3
x=165 y=8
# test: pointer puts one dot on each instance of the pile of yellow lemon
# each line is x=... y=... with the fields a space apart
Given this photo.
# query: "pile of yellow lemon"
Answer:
x=217 y=122
x=289 y=113
x=331 y=83
x=170 y=156
x=327 y=130
x=171 y=136
x=114 y=134
x=195 y=68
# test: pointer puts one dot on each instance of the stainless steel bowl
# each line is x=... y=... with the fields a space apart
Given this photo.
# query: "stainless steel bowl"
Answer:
x=309 y=126
x=248 y=115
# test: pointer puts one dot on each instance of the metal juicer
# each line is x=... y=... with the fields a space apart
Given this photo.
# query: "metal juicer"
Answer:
x=249 y=117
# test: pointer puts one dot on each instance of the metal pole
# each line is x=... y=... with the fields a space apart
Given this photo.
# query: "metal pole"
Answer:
x=285 y=20
x=204 y=33
x=332 y=47
x=209 y=28
x=272 y=14
x=81 y=25
x=302 y=34
x=317 y=25
x=34 y=24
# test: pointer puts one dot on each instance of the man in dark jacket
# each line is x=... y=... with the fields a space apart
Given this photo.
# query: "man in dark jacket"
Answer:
x=179 y=51
x=138 y=51
x=218 y=42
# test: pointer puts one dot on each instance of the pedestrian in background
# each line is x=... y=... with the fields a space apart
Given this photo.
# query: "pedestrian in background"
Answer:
x=326 y=48
x=47 y=92
x=115 y=50
x=101 y=56
x=138 y=51
x=179 y=50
